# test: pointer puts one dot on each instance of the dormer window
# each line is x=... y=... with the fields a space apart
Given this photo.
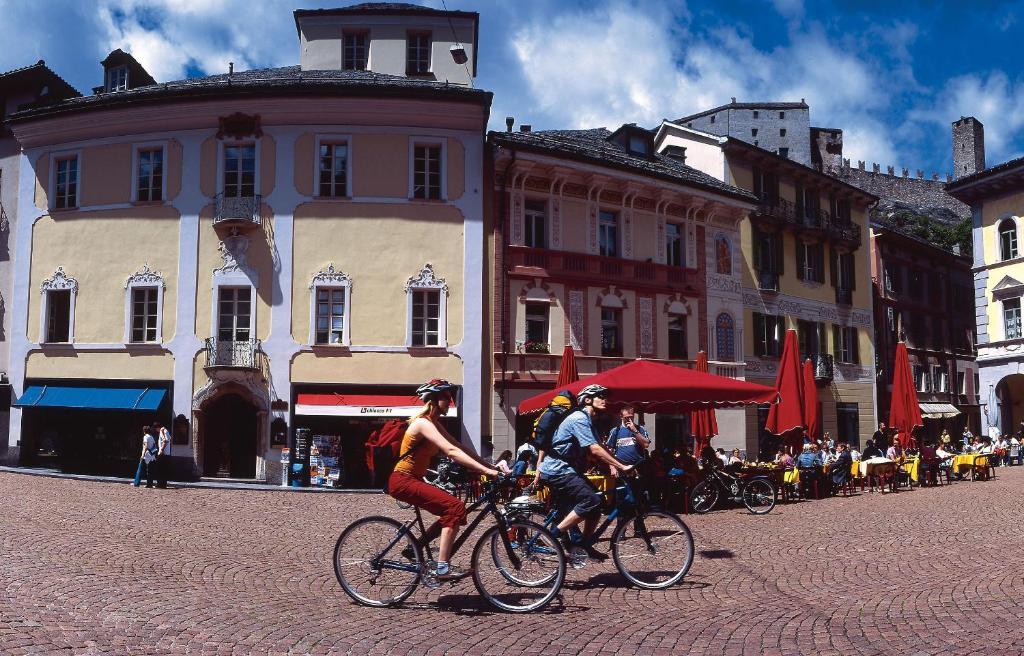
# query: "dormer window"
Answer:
x=417 y=53
x=117 y=79
x=638 y=145
x=356 y=51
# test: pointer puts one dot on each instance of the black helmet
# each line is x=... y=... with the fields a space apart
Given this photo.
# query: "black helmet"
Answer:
x=434 y=388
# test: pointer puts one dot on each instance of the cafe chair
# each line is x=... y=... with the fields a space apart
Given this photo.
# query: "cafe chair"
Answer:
x=984 y=468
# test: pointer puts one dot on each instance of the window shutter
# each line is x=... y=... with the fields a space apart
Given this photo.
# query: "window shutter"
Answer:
x=853 y=271
x=778 y=251
x=833 y=262
x=755 y=238
x=758 y=334
x=837 y=342
x=819 y=257
x=854 y=346
x=800 y=259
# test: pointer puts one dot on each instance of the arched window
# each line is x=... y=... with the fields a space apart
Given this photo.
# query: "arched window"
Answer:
x=725 y=338
x=723 y=255
x=1008 y=239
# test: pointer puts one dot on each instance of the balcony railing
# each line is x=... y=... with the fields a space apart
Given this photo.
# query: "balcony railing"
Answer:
x=234 y=354
x=780 y=211
x=237 y=210
x=824 y=367
x=525 y=260
x=844 y=296
x=768 y=281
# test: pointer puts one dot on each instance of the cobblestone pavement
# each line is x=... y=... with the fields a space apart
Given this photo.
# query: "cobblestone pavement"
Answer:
x=89 y=567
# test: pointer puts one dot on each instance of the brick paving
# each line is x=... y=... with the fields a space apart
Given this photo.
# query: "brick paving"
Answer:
x=97 y=568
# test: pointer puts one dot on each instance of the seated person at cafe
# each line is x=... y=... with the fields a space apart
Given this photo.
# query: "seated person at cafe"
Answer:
x=709 y=459
x=840 y=469
x=871 y=451
x=807 y=458
x=723 y=456
x=783 y=458
x=854 y=453
x=734 y=457
x=895 y=451
x=684 y=468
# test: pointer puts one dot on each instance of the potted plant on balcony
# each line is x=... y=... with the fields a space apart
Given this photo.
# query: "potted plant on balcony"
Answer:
x=535 y=347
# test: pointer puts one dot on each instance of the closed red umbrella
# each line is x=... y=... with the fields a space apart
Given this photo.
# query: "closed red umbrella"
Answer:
x=811 y=420
x=786 y=418
x=703 y=423
x=567 y=373
x=904 y=408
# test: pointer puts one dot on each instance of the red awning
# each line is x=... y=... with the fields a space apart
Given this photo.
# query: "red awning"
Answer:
x=904 y=408
x=656 y=387
x=787 y=417
x=360 y=405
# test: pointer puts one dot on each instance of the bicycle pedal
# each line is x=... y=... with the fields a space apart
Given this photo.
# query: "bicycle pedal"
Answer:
x=578 y=558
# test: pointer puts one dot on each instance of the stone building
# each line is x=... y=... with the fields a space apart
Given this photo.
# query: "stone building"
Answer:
x=242 y=254
x=603 y=244
x=783 y=128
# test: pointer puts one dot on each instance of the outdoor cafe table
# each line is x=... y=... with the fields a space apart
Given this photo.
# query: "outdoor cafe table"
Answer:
x=966 y=462
x=600 y=482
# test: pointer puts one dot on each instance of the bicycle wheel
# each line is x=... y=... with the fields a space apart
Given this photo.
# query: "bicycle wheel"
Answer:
x=653 y=550
x=703 y=497
x=759 y=496
x=525 y=540
x=531 y=585
x=368 y=570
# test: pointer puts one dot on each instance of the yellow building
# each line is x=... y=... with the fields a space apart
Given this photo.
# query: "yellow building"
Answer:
x=805 y=266
x=240 y=255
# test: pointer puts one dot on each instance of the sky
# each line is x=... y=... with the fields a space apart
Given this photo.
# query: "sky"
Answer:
x=892 y=75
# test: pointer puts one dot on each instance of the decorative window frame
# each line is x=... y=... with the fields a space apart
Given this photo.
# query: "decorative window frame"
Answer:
x=59 y=281
x=999 y=237
x=257 y=142
x=234 y=272
x=546 y=200
x=144 y=278
x=441 y=142
x=426 y=280
x=331 y=278
x=51 y=201
x=136 y=150
x=732 y=337
x=333 y=139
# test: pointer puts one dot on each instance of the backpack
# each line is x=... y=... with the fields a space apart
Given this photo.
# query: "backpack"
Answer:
x=551 y=418
x=383 y=450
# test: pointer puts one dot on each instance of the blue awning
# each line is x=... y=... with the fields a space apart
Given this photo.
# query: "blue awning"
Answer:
x=91 y=398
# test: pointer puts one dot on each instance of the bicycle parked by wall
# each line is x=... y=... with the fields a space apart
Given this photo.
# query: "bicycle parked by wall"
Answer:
x=379 y=561
x=757 y=493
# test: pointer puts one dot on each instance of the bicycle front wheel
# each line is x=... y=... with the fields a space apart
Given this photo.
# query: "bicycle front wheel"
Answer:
x=653 y=550
x=704 y=497
x=527 y=585
x=375 y=563
x=759 y=496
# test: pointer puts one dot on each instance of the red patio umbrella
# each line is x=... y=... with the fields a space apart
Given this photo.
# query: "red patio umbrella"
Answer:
x=786 y=418
x=567 y=373
x=656 y=387
x=904 y=410
x=811 y=420
x=703 y=423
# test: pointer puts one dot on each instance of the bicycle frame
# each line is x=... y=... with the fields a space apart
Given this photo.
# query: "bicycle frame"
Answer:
x=615 y=513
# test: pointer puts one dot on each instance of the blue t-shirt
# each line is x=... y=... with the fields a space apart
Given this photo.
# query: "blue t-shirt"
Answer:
x=574 y=434
x=623 y=441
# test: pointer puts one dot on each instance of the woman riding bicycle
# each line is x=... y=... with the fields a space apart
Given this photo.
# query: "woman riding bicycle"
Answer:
x=424 y=438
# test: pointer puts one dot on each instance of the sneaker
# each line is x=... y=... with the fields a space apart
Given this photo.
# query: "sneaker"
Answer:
x=453 y=574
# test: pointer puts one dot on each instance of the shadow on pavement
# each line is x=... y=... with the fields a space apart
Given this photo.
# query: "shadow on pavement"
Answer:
x=717 y=553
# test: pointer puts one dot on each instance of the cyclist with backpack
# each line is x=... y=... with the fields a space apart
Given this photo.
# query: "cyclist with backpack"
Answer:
x=562 y=461
x=424 y=438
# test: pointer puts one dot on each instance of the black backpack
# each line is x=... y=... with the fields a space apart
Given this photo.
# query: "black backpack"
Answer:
x=551 y=418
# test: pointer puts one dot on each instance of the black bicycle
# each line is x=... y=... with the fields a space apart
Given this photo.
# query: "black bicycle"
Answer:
x=379 y=561
x=757 y=493
x=651 y=548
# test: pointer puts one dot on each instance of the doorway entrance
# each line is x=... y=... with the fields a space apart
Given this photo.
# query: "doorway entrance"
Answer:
x=229 y=438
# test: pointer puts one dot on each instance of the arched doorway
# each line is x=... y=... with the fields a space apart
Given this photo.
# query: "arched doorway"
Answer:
x=230 y=437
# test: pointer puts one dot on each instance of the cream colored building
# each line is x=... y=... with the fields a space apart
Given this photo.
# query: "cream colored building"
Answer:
x=254 y=252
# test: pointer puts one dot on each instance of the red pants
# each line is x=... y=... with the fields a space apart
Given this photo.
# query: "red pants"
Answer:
x=451 y=511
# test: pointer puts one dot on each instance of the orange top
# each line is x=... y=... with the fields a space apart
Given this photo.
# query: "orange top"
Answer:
x=416 y=464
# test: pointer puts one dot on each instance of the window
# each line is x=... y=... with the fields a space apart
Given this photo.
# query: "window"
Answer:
x=768 y=331
x=674 y=253
x=893 y=278
x=843 y=271
x=845 y=344
x=811 y=337
x=940 y=379
x=723 y=255
x=810 y=262
x=977 y=385
x=330 y=315
x=677 y=337
x=753 y=132
x=426 y=317
x=784 y=152
x=145 y=314
x=782 y=132
x=611 y=332
x=782 y=114
x=240 y=171
x=1011 y=318
x=537 y=327
x=536 y=218
x=756 y=113
x=608 y=234
x=767 y=252
x=417 y=53
x=766 y=186
x=333 y=170
x=149 y=182
x=1008 y=239
x=712 y=118
x=58 y=316
x=426 y=172
x=638 y=146
x=116 y=79
x=234 y=314
x=725 y=337
x=961 y=382
x=915 y=283
x=355 y=52
x=808 y=205
x=840 y=209
x=848 y=422
x=66 y=184
x=922 y=378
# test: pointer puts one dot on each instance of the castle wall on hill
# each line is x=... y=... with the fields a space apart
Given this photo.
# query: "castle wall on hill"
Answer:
x=911 y=190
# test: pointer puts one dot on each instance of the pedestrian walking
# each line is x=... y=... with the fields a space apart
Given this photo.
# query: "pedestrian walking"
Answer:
x=163 y=455
x=147 y=458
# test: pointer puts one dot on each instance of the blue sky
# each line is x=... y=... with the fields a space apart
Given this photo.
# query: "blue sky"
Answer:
x=892 y=75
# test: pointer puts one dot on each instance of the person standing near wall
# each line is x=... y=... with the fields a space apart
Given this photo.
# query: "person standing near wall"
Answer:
x=147 y=458
x=163 y=455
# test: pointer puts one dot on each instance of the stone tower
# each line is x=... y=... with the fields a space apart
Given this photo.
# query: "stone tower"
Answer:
x=968 y=146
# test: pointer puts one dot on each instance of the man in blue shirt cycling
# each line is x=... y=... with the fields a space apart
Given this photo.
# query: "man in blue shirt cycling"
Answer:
x=562 y=467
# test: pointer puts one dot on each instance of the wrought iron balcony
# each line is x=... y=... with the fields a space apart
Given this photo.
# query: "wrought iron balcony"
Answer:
x=237 y=211
x=768 y=281
x=824 y=367
x=844 y=296
x=233 y=354
x=776 y=210
x=531 y=262
x=843 y=230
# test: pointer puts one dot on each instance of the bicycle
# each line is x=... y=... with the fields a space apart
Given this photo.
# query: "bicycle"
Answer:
x=651 y=548
x=757 y=494
x=379 y=561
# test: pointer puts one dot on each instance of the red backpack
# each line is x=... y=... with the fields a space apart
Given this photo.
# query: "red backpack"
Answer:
x=383 y=450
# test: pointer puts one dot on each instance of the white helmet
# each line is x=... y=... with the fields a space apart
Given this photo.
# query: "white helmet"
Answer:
x=590 y=391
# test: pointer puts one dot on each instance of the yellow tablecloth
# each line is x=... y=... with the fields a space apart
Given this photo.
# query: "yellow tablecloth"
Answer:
x=602 y=483
x=965 y=462
x=912 y=467
x=791 y=477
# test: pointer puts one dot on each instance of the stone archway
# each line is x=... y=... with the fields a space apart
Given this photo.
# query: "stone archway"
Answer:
x=232 y=434
x=1010 y=396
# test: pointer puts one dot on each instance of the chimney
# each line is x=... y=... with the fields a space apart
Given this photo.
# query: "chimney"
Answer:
x=968 y=146
x=675 y=153
x=525 y=127
x=509 y=122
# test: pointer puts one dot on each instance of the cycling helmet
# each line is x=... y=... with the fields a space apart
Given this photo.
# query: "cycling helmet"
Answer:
x=434 y=388
x=590 y=391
